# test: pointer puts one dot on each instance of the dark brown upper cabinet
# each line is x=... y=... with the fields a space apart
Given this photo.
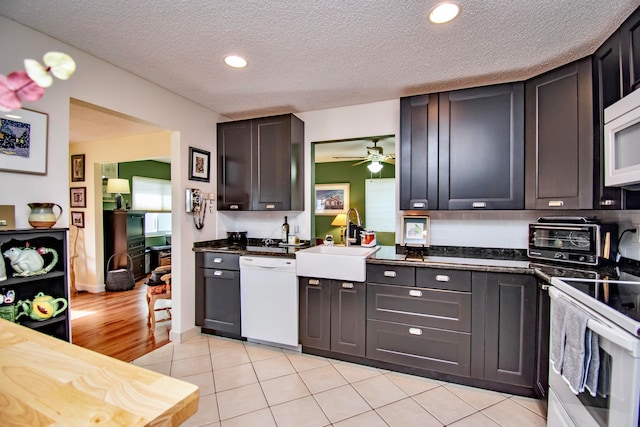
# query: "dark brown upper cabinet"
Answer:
x=463 y=149
x=559 y=138
x=482 y=148
x=261 y=164
x=419 y=152
x=616 y=73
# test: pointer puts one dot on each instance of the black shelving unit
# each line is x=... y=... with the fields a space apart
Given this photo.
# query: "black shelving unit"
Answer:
x=53 y=283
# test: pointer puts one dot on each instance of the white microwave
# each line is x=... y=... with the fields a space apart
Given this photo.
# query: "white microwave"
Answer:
x=622 y=142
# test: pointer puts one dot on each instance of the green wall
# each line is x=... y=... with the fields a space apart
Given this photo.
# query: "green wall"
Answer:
x=343 y=172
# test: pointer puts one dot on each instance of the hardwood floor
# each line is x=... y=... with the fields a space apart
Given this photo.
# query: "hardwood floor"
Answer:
x=115 y=323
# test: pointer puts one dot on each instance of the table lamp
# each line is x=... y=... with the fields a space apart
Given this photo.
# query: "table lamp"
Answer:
x=341 y=221
x=118 y=186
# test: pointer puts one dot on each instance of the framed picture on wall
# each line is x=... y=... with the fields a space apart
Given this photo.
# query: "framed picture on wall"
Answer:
x=23 y=139
x=415 y=231
x=199 y=165
x=77 y=219
x=78 y=197
x=77 y=167
x=332 y=199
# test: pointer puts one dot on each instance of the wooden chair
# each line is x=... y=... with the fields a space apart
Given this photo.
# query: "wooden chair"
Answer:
x=157 y=292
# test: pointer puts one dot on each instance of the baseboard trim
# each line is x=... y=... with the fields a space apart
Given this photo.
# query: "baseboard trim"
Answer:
x=181 y=337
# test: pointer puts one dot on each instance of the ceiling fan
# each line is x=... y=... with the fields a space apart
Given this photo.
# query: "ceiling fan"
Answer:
x=375 y=155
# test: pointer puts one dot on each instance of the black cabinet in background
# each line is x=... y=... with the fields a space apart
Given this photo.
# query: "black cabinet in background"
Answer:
x=124 y=235
x=559 y=138
x=261 y=164
x=630 y=53
x=218 y=293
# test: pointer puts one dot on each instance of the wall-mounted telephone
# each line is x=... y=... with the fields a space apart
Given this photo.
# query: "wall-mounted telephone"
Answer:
x=194 y=200
x=196 y=203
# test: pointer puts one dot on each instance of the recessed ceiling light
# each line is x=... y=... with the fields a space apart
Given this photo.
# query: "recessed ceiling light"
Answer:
x=444 y=12
x=235 y=61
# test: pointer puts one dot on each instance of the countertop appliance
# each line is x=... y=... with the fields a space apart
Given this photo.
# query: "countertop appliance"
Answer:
x=577 y=240
x=621 y=133
x=614 y=310
x=269 y=300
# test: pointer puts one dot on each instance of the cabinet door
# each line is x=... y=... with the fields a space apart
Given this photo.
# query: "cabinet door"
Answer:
x=504 y=324
x=607 y=89
x=271 y=184
x=234 y=165
x=482 y=148
x=560 y=138
x=220 y=299
x=630 y=42
x=315 y=312
x=348 y=317
x=419 y=152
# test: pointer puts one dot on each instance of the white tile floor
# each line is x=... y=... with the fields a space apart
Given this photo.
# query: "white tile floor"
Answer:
x=245 y=384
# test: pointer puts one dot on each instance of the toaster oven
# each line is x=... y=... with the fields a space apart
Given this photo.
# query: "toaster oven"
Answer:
x=577 y=240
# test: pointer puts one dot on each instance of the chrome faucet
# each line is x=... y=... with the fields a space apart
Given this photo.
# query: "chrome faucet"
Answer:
x=349 y=239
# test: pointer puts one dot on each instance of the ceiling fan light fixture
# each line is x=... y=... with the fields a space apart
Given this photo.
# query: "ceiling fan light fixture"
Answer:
x=375 y=166
x=444 y=12
x=235 y=61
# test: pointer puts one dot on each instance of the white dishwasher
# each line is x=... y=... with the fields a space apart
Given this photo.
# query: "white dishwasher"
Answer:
x=269 y=300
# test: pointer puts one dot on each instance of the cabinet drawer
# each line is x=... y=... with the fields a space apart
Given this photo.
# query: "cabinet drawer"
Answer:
x=214 y=273
x=218 y=260
x=437 y=278
x=392 y=275
x=426 y=348
x=420 y=307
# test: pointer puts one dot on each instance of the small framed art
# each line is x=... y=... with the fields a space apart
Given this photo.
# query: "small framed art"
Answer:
x=77 y=219
x=332 y=199
x=77 y=167
x=23 y=139
x=199 y=164
x=78 y=197
x=415 y=231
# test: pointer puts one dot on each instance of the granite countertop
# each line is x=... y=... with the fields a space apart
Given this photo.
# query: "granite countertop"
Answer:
x=474 y=259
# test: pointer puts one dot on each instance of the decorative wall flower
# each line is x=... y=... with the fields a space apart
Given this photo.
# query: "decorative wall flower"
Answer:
x=29 y=85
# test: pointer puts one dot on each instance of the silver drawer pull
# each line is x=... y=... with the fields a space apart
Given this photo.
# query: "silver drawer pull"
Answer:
x=314 y=281
x=415 y=293
x=217 y=260
x=347 y=285
x=606 y=202
x=418 y=205
x=556 y=203
x=442 y=278
x=271 y=206
x=233 y=207
x=217 y=273
x=389 y=273
x=415 y=331
x=479 y=204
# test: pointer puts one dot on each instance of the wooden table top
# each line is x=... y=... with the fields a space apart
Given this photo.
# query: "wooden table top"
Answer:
x=46 y=381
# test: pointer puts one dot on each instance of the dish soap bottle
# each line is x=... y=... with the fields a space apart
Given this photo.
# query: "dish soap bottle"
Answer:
x=285 y=231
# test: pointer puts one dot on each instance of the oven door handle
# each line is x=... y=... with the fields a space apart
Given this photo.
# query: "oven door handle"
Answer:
x=619 y=338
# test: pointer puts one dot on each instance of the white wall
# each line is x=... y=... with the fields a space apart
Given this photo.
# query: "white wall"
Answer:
x=102 y=84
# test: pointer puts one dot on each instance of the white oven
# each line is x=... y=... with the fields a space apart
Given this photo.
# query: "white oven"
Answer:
x=617 y=401
x=622 y=141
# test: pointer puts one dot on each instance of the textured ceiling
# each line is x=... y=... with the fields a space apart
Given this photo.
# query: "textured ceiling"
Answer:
x=310 y=55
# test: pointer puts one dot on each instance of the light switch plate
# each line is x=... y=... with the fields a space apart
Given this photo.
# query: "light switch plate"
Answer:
x=7 y=217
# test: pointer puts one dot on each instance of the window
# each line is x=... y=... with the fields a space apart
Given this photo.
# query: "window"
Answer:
x=151 y=194
x=380 y=202
x=154 y=196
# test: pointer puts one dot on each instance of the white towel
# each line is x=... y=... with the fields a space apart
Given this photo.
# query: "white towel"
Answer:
x=574 y=348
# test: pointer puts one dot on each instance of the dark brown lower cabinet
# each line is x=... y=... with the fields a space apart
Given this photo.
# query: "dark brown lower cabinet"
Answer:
x=218 y=293
x=419 y=327
x=541 y=383
x=332 y=315
x=504 y=327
